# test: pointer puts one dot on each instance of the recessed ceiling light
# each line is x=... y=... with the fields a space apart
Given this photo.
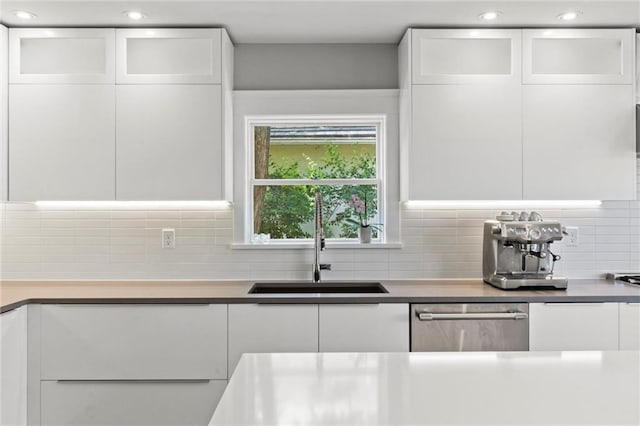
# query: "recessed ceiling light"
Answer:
x=135 y=15
x=23 y=14
x=568 y=16
x=489 y=16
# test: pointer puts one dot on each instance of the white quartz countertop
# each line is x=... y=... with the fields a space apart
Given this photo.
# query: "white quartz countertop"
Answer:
x=464 y=388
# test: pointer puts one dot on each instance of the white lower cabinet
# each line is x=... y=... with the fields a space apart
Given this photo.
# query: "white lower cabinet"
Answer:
x=380 y=327
x=103 y=364
x=89 y=342
x=630 y=326
x=259 y=328
x=13 y=367
x=573 y=326
x=129 y=403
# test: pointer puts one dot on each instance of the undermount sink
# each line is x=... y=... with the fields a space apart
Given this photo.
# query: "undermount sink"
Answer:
x=285 y=287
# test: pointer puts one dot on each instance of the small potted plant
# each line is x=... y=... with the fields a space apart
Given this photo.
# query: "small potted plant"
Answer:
x=359 y=205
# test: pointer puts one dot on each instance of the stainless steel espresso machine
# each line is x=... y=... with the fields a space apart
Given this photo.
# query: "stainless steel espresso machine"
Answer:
x=517 y=251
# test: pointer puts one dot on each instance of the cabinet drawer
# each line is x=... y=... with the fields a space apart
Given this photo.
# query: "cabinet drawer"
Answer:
x=380 y=327
x=578 y=56
x=630 y=326
x=61 y=56
x=129 y=403
x=168 y=56
x=573 y=326
x=85 y=342
x=255 y=328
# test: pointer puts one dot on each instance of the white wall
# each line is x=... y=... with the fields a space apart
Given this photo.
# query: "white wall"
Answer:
x=315 y=66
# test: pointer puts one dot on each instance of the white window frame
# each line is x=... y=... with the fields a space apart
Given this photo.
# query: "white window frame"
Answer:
x=316 y=103
x=376 y=120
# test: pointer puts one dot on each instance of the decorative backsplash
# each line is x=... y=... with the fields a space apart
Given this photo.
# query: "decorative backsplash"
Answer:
x=39 y=243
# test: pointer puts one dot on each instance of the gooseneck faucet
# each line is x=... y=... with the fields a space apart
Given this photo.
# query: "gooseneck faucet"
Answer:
x=318 y=240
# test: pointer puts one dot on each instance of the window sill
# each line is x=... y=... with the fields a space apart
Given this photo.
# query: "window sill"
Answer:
x=308 y=245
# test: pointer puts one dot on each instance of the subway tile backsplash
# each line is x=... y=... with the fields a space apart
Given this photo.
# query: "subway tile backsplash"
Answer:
x=41 y=243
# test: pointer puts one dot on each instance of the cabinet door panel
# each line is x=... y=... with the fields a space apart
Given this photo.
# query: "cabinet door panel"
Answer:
x=573 y=326
x=466 y=143
x=13 y=367
x=578 y=56
x=62 y=55
x=271 y=328
x=169 y=142
x=130 y=403
x=153 y=56
x=578 y=142
x=630 y=326
x=61 y=142
x=466 y=56
x=364 y=328
x=84 y=342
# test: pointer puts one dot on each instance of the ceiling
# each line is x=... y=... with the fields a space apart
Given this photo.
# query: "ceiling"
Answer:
x=321 y=21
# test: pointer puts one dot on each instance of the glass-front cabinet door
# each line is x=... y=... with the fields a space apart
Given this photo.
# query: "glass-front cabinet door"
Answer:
x=578 y=56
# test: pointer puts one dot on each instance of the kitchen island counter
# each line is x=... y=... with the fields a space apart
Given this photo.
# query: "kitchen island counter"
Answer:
x=17 y=293
x=462 y=388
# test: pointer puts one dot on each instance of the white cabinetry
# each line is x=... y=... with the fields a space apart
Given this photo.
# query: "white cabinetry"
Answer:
x=173 y=108
x=62 y=118
x=4 y=113
x=571 y=134
x=13 y=367
x=169 y=142
x=258 y=328
x=61 y=56
x=573 y=326
x=364 y=328
x=84 y=403
x=461 y=89
x=578 y=114
x=170 y=103
x=630 y=326
x=62 y=142
x=132 y=364
x=169 y=56
x=578 y=56
x=484 y=118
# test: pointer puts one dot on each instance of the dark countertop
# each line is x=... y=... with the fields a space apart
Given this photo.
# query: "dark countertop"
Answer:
x=17 y=293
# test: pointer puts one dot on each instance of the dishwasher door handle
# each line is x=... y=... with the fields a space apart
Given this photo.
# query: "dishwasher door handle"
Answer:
x=429 y=316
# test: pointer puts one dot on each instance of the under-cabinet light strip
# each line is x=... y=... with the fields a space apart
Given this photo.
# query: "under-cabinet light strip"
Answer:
x=132 y=204
x=502 y=204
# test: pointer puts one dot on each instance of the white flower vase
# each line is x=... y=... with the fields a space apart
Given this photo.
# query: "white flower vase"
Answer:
x=365 y=234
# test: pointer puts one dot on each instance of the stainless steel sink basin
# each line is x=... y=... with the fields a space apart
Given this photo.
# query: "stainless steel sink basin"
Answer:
x=285 y=287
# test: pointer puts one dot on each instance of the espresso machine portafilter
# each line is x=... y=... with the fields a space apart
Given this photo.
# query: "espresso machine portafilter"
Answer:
x=517 y=251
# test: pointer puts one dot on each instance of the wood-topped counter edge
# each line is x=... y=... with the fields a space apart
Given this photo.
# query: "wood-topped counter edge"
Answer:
x=15 y=293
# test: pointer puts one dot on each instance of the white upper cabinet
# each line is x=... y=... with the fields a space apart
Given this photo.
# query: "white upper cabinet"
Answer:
x=61 y=142
x=61 y=56
x=465 y=56
x=169 y=142
x=638 y=70
x=578 y=56
x=460 y=132
x=578 y=142
x=151 y=56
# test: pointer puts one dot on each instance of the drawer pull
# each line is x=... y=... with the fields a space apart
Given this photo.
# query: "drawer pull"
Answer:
x=134 y=381
x=429 y=316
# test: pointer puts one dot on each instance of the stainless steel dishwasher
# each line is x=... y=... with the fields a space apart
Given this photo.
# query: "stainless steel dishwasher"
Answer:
x=470 y=327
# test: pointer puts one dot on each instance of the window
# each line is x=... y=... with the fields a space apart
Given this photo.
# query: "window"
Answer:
x=291 y=158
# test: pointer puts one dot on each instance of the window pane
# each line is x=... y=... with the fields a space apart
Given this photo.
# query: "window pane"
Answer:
x=325 y=152
x=287 y=211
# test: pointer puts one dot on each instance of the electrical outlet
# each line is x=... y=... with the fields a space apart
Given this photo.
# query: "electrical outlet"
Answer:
x=572 y=236
x=168 y=238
